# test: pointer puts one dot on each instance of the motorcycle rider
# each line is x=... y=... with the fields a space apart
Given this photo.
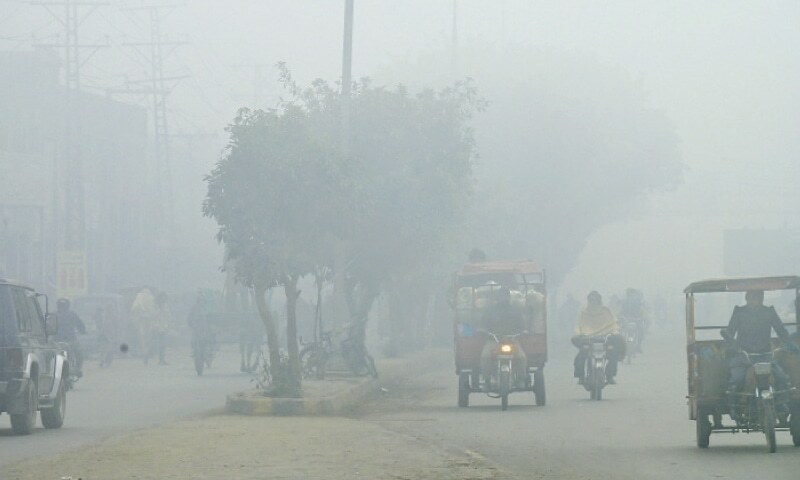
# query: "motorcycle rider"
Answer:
x=597 y=320
x=199 y=323
x=750 y=330
x=503 y=318
x=69 y=325
x=159 y=329
x=633 y=309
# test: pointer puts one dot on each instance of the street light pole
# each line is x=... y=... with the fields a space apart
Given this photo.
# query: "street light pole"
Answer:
x=347 y=78
x=341 y=310
x=454 y=58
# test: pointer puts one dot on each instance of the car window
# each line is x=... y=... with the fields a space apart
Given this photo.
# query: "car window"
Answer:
x=6 y=310
x=22 y=310
x=37 y=325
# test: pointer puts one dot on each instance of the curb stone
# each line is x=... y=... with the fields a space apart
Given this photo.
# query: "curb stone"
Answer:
x=254 y=403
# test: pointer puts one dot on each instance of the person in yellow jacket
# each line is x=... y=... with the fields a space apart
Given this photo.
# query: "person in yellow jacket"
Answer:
x=596 y=320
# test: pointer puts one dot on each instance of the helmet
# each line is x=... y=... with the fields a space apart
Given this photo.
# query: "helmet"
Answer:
x=594 y=297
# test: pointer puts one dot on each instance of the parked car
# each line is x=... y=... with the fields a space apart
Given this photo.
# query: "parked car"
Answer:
x=33 y=368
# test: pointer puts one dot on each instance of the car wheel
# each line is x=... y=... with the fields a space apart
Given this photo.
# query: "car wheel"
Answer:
x=53 y=417
x=23 y=423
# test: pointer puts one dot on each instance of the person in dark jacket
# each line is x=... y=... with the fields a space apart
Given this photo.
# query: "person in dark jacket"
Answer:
x=503 y=319
x=69 y=326
x=750 y=331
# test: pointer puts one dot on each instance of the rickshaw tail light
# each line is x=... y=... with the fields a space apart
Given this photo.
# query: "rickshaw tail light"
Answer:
x=505 y=348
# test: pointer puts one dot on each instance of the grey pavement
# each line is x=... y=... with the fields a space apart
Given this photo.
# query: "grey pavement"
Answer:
x=129 y=396
x=640 y=430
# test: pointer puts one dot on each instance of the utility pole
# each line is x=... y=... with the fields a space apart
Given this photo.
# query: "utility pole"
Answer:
x=71 y=228
x=258 y=82
x=454 y=41
x=341 y=310
x=347 y=74
x=158 y=86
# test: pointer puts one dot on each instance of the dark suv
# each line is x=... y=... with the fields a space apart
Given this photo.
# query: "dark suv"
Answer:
x=33 y=369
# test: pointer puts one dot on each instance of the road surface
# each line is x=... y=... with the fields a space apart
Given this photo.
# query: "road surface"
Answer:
x=640 y=430
x=129 y=396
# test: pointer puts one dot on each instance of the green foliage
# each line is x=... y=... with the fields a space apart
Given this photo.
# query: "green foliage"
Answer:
x=287 y=199
x=277 y=195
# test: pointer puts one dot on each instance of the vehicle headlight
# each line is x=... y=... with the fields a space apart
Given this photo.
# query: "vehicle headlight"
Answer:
x=505 y=348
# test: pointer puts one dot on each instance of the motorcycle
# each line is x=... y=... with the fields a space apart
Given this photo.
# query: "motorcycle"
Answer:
x=203 y=349
x=631 y=331
x=762 y=407
x=594 y=379
x=74 y=357
x=504 y=377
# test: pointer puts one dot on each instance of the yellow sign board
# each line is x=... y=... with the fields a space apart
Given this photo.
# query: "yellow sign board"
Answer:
x=72 y=274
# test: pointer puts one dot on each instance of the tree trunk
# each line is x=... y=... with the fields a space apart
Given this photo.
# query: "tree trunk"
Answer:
x=340 y=309
x=269 y=326
x=319 y=282
x=295 y=376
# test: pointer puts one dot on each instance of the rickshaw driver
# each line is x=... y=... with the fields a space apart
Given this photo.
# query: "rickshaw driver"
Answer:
x=750 y=330
x=502 y=319
x=597 y=320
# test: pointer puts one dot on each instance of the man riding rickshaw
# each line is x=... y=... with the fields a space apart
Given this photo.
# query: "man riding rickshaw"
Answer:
x=500 y=330
x=747 y=374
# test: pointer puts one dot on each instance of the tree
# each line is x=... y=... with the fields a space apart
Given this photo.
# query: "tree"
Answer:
x=567 y=145
x=414 y=155
x=277 y=196
x=286 y=200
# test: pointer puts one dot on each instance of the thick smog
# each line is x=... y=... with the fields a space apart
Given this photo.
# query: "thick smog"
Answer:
x=336 y=239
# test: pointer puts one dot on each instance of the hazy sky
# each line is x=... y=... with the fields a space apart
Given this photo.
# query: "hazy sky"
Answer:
x=725 y=72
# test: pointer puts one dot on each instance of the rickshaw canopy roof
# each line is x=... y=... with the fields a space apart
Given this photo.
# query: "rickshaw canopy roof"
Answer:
x=744 y=284
x=518 y=266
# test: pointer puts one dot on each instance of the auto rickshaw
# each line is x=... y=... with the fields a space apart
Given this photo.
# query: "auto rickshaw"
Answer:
x=475 y=288
x=761 y=405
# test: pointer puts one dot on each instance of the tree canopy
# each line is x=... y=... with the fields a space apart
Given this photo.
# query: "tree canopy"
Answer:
x=567 y=145
x=287 y=198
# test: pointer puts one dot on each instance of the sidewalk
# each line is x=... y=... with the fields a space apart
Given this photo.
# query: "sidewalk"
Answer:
x=222 y=446
x=239 y=447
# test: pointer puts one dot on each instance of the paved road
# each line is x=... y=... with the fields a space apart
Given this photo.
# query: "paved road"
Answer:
x=129 y=396
x=640 y=430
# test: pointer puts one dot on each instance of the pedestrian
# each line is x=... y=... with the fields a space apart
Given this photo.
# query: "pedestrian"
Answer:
x=69 y=325
x=159 y=328
x=105 y=320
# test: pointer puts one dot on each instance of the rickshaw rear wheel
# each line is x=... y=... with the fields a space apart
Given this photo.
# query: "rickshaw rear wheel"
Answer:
x=538 y=388
x=794 y=425
x=769 y=426
x=463 y=389
x=702 y=429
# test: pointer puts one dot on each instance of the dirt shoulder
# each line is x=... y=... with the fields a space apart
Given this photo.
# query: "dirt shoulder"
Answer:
x=231 y=446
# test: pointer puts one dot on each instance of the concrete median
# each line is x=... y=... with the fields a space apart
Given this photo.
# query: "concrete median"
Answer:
x=320 y=397
x=337 y=394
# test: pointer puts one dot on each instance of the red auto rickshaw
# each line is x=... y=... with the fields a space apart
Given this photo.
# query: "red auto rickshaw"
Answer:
x=475 y=288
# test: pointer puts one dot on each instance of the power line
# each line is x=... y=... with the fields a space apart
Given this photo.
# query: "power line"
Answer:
x=74 y=222
x=158 y=86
